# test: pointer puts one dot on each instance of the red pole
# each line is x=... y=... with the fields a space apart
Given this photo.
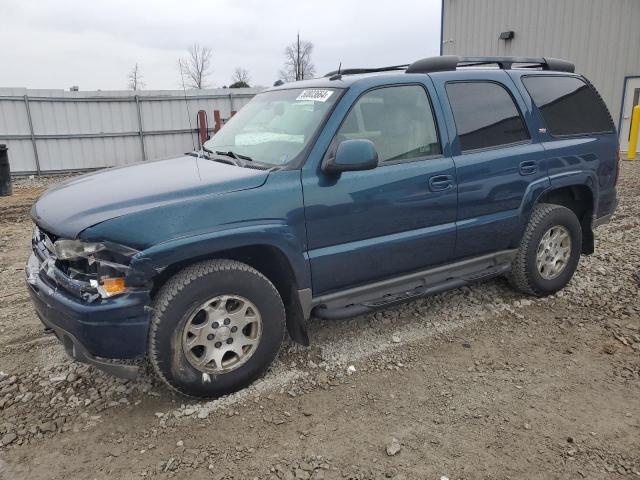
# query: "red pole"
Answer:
x=202 y=127
x=217 y=121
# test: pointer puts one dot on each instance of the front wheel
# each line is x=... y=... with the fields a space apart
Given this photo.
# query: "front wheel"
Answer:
x=549 y=251
x=216 y=327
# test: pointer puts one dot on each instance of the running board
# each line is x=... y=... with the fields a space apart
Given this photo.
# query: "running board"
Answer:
x=367 y=298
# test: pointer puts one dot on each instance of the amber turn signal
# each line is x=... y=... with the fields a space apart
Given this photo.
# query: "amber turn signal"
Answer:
x=113 y=286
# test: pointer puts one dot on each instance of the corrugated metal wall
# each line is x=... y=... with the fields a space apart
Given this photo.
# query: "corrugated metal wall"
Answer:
x=602 y=37
x=55 y=130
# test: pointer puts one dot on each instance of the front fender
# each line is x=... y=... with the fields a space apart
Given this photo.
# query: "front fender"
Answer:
x=274 y=234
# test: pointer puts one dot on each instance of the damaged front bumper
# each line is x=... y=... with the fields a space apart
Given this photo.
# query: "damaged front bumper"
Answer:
x=111 y=328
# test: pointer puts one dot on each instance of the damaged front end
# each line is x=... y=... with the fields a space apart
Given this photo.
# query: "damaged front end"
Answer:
x=91 y=298
x=87 y=270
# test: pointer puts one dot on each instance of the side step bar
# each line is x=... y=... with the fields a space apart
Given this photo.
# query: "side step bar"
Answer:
x=367 y=298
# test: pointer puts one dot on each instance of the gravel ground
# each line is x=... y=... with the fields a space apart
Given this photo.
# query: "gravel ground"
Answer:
x=479 y=382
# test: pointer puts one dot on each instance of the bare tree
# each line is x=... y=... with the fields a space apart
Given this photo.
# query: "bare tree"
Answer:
x=297 y=64
x=240 y=76
x=196 y=67
x=135 y=79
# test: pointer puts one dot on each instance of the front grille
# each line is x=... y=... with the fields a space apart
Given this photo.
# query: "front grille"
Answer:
x=42 y=244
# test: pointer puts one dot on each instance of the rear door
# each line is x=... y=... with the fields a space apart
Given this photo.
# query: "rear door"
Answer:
x=498 y=161
x=579 y=136
x=397 y=218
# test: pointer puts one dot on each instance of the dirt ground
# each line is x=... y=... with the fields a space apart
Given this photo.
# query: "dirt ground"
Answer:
x=478 y=382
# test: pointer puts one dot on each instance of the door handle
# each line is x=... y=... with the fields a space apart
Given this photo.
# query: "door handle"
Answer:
x=527 y=168
x=439 y=183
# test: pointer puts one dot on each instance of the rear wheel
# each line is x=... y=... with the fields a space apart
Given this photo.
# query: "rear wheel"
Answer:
x=549 y=251
x=216 y=327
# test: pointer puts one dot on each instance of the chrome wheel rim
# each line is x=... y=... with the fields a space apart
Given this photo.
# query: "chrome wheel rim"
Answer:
x=553 y=252
x=222 y=334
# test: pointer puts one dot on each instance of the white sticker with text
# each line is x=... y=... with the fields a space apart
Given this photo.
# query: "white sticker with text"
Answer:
x=315 y=94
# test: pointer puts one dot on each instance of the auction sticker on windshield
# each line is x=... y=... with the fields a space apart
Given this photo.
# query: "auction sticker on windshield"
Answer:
x=315 y=94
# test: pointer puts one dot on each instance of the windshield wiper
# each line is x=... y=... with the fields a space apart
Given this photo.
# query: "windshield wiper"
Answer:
x=235 y=155
x=215 y=157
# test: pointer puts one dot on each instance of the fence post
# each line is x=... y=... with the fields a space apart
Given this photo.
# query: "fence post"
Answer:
x=33 y=136
x=140 y=131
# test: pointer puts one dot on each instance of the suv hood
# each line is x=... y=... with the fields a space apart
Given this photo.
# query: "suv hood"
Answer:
x=70 y=207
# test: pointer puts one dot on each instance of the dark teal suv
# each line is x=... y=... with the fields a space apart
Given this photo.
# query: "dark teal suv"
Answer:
x=329 y=197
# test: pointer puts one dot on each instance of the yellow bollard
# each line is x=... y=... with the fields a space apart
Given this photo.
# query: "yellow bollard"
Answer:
x=633 y=139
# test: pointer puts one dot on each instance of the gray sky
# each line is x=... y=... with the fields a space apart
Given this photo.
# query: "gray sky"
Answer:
x=94 y=44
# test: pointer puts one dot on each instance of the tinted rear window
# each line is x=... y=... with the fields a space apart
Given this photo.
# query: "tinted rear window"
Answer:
x=485 y=115
x=569 y=106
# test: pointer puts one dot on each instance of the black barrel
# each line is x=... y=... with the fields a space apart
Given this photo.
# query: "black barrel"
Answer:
x=5 y=172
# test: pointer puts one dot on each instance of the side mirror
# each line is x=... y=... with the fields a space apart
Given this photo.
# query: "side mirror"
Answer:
x=352 y=156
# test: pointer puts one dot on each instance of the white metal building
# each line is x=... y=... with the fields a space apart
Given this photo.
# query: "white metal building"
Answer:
x=602 y=38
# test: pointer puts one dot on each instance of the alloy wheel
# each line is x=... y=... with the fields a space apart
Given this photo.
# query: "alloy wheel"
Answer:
x=554 y=251
x=222 y=334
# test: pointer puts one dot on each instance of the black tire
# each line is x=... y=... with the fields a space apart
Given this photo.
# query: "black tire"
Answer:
x=176 y=303
x=524 y=275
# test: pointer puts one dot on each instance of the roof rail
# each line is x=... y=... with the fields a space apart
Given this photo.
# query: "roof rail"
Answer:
x=445 y=63
x=451 y=62
x=354 y=71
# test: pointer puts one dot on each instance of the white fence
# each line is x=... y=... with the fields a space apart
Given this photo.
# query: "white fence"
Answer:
x=51 y=131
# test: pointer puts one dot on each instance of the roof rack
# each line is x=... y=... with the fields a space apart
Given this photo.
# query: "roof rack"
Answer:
x=451 y=62
x=355 y=71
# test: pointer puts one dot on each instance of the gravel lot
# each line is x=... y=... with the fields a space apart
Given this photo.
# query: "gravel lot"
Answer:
x=478 y=382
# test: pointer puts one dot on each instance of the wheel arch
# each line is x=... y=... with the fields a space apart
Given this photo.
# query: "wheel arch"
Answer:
x=282 y=263
x=578 y=198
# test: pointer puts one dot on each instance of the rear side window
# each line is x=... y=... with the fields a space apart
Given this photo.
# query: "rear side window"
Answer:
x=568 y=105
x=485 y=115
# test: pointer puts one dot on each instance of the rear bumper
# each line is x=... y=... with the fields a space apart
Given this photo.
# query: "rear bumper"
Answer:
x=114 y=328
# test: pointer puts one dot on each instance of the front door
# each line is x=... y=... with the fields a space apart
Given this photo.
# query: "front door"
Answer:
x=399 y=217
x=631 y=99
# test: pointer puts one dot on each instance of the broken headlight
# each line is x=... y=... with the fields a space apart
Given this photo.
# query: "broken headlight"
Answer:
x=103 y=265
x=74 y=249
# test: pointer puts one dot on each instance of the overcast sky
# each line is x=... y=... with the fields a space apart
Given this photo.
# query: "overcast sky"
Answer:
x=94 y=44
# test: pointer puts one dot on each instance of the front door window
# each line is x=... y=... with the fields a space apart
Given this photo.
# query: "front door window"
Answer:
x=398 y=120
